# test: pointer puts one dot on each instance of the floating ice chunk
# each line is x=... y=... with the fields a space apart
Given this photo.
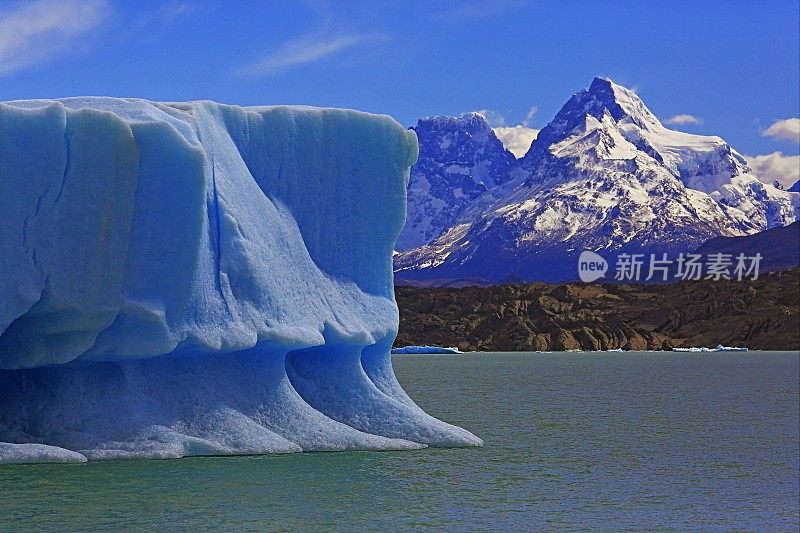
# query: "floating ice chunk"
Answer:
x=37 y=453
x=425 y=349
x=719 y=348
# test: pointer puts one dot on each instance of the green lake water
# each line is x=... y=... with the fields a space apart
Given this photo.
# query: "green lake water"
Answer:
x=602 y=441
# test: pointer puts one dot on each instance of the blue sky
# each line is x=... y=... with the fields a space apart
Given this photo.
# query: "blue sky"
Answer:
x=731 y=65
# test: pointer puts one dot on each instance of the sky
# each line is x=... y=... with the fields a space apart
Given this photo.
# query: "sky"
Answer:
x=728 y=68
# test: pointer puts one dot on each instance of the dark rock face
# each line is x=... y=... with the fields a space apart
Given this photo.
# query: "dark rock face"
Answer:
x=763 y=315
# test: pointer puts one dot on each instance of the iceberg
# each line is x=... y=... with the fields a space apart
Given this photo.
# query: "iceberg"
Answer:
x=200 y=279
x=425 y=350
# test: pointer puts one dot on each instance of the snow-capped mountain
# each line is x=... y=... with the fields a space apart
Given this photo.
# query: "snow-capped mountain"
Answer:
x=460 y=160
x=604 y=175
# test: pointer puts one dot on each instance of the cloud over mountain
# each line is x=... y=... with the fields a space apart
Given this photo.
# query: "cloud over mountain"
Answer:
x=785 y=169
x=786 y=129
x=517 y=139
x=683 y=119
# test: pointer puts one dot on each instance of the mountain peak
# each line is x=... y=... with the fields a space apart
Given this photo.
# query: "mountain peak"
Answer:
x=602 y=97
x=471 y=120
x=622 y=103
x=439 y=136
x=601 y=84
x=460 y=160
x=614 y=97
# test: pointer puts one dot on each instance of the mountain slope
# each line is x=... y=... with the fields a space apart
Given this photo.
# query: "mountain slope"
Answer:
x=604 y=175
x=779 y=247
x=460 y=160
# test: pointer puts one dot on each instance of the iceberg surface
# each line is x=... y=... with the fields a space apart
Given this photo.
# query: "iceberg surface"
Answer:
x=197 y=278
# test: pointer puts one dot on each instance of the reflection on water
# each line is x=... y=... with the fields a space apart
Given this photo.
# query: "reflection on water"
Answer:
x=572 y=441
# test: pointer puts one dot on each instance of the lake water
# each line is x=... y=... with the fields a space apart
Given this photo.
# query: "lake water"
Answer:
x=633 y=441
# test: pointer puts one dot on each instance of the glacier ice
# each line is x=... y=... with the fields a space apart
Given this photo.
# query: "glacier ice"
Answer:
x=197 y=278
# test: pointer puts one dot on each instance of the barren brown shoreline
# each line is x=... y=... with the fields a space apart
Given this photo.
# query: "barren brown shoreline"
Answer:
x=762 y=315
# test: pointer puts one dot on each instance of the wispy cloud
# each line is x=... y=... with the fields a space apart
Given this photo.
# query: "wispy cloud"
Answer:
x=787 y=130
x=529 y=116
x=35 y=32
x=310 y=49
x=684 y=119
x=785 y=169
x=494 y=118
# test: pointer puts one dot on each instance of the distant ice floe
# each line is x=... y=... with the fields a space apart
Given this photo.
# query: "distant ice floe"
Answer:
x=719 y=348
x=424 y=349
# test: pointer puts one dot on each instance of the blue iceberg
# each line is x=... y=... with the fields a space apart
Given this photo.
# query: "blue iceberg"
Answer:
x=200 y=279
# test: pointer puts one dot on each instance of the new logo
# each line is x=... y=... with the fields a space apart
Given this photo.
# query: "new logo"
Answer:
x=591 y=266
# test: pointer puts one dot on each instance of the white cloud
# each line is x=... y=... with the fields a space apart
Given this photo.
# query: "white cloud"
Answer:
x=309 y=49
x=35 y=32
x=683 y=119
x=776 y=167
x=517 y=139
x=787 y=130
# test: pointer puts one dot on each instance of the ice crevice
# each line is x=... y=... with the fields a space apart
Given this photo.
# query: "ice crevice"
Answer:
x=210 y=280
x=216 y=233
x=67 y=164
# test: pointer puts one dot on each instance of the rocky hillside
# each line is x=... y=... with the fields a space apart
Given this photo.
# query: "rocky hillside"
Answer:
x=762 y=314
